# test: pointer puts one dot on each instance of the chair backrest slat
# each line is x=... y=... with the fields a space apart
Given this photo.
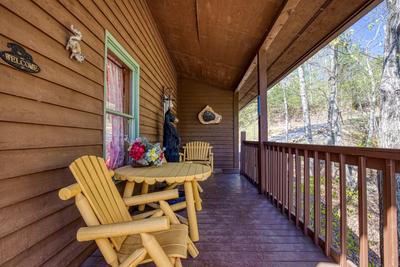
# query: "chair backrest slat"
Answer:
x=197 y=150
x=96 y=182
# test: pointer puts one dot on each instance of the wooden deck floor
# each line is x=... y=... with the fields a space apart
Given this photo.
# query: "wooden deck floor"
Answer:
x=239 y=227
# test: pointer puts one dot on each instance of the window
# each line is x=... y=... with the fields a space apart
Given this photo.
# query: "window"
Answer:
x=121 y=112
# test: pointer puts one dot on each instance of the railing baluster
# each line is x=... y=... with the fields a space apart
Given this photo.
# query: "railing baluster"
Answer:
x=328 y=201
x=290 y=181
x=257 y=176
x=280 y=176
x=306 y=192
x=278 y=180
x=273 y=174
x=298 y=188
x=343 y=210
x=390 y=257
x=317 y=198
x=269 y=171
x=362 y=212
x=276 y=177
x=285 y=173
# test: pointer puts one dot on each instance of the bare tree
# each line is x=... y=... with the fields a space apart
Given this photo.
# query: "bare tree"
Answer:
x=286 y=110
x=390 y=84
x=304 y=103
x=389 y=128
x=372 y=97
x=334 y=122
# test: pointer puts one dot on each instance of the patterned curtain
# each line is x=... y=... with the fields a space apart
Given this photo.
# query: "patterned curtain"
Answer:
x=114 y=124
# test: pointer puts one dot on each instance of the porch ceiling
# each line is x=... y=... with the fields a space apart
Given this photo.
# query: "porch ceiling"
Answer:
x=214 y=41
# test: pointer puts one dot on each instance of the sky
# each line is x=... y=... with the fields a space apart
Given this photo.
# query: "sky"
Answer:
x=362 y=34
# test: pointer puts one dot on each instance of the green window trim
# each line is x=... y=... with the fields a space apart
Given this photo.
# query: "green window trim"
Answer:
x=111 y=44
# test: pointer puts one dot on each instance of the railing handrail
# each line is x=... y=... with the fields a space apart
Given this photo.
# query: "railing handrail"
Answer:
x=369 y=152
x=250 y=142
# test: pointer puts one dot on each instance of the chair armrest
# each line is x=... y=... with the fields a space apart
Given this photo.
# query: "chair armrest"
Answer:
x=69 y=192
x=122 y=229
x=151 y=197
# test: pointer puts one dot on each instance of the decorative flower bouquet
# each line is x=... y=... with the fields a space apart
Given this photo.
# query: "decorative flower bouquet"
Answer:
x=145 y=154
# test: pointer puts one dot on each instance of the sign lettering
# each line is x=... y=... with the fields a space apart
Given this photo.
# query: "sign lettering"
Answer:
x=19 y=58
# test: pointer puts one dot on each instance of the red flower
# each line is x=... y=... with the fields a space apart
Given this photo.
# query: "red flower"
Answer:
x=137 y=151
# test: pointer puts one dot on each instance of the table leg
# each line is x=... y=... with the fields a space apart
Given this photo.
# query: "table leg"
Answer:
x=145 y=190
x=191 y=212
x=129 y=186
x=196 y=194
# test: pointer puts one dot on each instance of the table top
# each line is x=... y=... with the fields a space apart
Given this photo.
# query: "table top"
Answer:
x=173 y=172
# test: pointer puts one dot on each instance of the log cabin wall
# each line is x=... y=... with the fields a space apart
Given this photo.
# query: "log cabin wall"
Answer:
x=50 y=118
x=193 y=96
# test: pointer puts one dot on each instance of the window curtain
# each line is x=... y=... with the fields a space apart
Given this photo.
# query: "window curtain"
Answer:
x=114 y=124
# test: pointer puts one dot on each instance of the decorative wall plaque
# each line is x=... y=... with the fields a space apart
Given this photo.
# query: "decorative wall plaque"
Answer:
x=209 y=116
x=19 y=58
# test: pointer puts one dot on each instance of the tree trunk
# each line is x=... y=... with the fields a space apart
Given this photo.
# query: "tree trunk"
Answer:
x=372 y=105
x=334 y=123
x=389 y=129
x=285 y=106
x=304 y=103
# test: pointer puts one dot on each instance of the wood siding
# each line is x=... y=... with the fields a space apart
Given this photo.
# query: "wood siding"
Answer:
x=193 y=97
x=50 y=118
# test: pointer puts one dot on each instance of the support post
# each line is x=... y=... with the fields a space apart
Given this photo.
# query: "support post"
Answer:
x=262 y=117
x=236 y=130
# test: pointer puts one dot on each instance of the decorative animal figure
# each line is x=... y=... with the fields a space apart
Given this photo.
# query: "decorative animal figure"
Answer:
x=74 y=45
x=171 y=137
x=209 y=116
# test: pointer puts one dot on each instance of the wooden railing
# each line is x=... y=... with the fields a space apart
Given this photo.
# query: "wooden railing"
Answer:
x=287 y=183
x=249 y=161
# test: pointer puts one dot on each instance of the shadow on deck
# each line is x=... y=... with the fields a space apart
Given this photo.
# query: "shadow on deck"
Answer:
x=239 y=227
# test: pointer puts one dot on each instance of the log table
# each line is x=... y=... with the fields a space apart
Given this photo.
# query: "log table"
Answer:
x=171 y=173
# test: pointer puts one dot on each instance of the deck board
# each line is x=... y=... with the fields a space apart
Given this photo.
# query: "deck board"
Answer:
x=239 y=227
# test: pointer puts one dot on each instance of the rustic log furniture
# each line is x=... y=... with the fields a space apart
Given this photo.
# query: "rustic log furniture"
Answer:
x=123 y=241
x=171 y=173
x=198 y=152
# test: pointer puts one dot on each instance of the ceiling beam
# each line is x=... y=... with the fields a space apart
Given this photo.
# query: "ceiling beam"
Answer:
x=279 y=23
x=284 y=16
x=249 y=71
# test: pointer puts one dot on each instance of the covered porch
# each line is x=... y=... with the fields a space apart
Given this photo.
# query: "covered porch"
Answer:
x=239 y=227
x=258 y=206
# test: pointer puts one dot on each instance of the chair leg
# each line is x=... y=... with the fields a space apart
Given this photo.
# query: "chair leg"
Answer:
x=193 y=251
x=178 y=262
x=135 y=258
x=145 y=190
x=182 y=219
x=196 y=195
x=191 y=211
x=155 y=251
x=200 y=188
x=171 y=186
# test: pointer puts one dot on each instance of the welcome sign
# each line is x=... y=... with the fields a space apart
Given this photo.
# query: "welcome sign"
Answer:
x=19 y=58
